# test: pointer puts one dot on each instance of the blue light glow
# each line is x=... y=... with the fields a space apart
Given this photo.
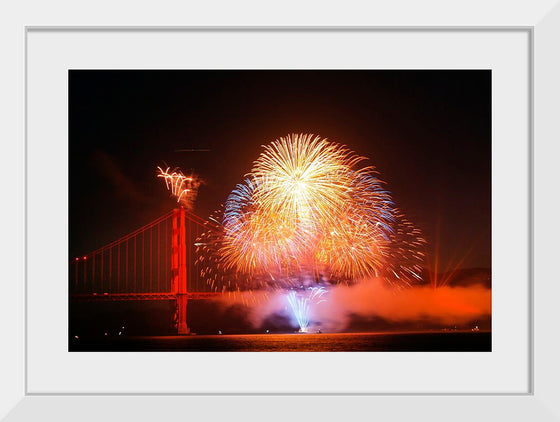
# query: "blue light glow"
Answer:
x=301 y=303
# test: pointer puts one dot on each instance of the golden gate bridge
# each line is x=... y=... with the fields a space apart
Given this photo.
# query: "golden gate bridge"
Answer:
x=154 y=262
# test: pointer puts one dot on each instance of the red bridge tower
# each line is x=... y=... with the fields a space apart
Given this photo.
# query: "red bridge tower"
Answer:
x=179 y=269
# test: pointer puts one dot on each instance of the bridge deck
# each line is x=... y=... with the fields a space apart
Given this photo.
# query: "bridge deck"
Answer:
x=142 y=296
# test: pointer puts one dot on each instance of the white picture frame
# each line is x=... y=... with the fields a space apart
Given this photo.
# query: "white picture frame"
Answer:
x=541 y=22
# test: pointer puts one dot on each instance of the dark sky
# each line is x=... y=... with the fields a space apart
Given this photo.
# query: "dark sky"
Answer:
x=428 y=133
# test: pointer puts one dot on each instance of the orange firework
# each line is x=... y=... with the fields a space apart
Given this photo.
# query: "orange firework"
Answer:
x=184 y=188
x=306 y=211
x=303 y=178
x=351 y=249
x=306 y=206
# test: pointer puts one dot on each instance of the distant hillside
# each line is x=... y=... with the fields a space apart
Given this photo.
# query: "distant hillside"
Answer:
x=464 y=277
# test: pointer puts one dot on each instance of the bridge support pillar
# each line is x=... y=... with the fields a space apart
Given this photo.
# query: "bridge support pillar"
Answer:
x=182 y=327
x=179 y=269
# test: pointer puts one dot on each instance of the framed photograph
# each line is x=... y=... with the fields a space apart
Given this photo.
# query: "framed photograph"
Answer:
x=313 y=241
x=218 y=213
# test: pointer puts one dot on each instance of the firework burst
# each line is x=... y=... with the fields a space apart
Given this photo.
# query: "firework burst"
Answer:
x=307 y=211
x=304 y=179
x=184 y=188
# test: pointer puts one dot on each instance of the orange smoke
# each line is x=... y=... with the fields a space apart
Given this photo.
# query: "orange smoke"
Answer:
x=452 y=305
x=371 y=299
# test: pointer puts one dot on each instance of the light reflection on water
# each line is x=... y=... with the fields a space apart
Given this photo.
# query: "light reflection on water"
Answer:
x=426 y=341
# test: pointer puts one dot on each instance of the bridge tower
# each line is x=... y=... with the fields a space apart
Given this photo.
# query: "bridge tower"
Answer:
x=179 y=268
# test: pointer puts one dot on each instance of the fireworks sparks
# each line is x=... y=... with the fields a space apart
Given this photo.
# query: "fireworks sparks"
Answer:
x=301 y=303
x=303 y=179
x=307 y=211
x=184 y=188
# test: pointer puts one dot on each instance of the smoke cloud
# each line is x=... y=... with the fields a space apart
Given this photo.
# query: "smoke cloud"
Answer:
x=373 y=300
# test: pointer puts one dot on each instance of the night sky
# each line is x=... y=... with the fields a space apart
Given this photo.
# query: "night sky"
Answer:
x=428 y=133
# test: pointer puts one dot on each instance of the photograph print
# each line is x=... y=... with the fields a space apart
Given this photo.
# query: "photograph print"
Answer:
x=280 y=210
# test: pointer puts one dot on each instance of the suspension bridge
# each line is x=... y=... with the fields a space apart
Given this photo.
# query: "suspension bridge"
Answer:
x=154 y=262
